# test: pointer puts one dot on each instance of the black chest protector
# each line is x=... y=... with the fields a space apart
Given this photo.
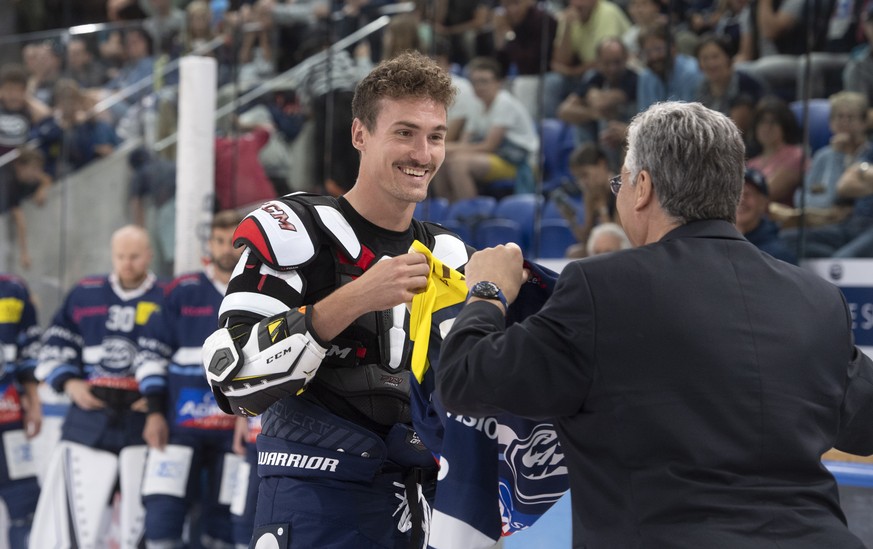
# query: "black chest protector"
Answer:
x=365 y=375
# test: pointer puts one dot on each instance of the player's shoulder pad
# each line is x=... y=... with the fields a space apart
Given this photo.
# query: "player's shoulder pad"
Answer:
x=286 y=233
x=445 y=245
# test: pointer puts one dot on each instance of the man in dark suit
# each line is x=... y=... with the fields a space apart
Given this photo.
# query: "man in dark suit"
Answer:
x=694 y=382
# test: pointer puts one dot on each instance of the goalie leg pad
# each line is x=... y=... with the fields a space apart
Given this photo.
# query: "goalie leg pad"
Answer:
x=132 y=461
x=77 y=485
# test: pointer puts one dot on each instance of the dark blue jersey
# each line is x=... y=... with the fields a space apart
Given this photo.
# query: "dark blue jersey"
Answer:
x=19 y=338
x=93 y=335
x=169 y=362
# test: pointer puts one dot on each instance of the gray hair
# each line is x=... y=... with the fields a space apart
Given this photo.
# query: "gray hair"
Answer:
x=612 y=229
x=695 y=156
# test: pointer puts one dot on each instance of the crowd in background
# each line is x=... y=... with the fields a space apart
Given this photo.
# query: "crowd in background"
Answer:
x=71 y=98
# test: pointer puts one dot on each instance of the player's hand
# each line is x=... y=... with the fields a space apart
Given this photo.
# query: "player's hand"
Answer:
x=79 y=392
x=502 y=265
x=156 y=432
x=240 y=432
x=393 y=281
x=32 y=416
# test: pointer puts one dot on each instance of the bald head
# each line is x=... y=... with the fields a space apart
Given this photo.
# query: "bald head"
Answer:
x=131 y=255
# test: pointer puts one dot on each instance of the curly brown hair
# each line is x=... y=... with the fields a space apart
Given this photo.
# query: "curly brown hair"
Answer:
x=410 y=75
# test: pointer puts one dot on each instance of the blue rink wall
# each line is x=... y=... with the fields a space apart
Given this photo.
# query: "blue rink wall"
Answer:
x=855 y=279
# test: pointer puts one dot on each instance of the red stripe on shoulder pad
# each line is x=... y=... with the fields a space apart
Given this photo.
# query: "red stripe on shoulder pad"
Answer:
x=250 y=232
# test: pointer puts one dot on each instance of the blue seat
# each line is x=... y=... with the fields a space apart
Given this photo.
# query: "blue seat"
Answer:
x=432 y=209
x=555 y=238
x=819 y=122
x=557 y=142
x=494 y=231
x=464 y=215
x=521 y=208
x=551 y=211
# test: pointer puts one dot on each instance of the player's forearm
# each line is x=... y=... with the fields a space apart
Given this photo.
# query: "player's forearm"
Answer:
x=336 y=312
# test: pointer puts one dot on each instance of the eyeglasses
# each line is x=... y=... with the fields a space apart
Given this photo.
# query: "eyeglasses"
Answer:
x=615 y=183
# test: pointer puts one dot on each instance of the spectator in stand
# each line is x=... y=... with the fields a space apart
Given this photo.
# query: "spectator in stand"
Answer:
x=581 y=26
x=467 y=105
x=43 y=62
x=401 y=34
x=721 y=83
x=164 y=24
x=153 y=183
x=294 y=21
x=73 y=137
x=730 y=14
x=591 y=171
x=606 y=238
x=668 y=75
x=240 y=179
x=25 y=179
x=773 y=35
x=19 y=111
x=752 y=219
x=781 y=159
x=520 y=42
x=496 y=145
x=258 y=51
x=853 y=236
x=604 y=103
x=82 y=66
x=331 y=82
x=848 y=111
x=858 y=74
x=463 y=22
x=139 y=64
x=643 y=14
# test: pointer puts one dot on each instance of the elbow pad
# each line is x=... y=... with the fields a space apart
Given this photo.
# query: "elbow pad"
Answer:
x=279 y=359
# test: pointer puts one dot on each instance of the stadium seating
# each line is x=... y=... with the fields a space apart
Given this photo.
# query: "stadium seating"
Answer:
x=521 y=208
x=555 y=238
x=432 y=209
x=819 y=122
x=492 y=232
x=557 y=144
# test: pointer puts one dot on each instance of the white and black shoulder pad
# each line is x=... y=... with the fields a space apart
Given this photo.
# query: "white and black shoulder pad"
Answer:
x=280 y=233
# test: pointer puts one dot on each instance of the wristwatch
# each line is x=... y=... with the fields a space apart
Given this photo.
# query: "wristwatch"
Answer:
x=488 y=290
x=863 y=169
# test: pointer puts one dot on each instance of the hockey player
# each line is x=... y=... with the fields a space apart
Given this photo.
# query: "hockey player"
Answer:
x=315 y=330
x=20 y=414
x=188 y=435
x=88 y=352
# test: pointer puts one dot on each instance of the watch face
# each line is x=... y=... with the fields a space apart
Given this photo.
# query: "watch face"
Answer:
x=487 y=290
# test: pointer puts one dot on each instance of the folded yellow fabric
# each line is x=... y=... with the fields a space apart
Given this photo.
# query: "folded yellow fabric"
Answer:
x=445 y=287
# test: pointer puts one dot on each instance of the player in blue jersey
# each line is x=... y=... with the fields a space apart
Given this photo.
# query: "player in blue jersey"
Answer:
x=88 y=352
x=20 y=415
x=314 y=330
x=188 y=435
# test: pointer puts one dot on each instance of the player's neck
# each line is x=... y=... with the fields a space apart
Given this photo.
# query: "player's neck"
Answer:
x=381 y=211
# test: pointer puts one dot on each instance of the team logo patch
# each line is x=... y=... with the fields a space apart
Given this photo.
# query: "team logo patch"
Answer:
x=118 y=353
x=534 y=460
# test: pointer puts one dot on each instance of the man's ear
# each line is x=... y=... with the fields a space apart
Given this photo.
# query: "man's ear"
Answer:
x=644 y=191
x=358 y=131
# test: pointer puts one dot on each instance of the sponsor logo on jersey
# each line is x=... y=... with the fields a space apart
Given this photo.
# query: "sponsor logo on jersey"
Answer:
x=280 y=216
x=196 y=409
x=118 y=353
x=298 y=461
x=10 y=405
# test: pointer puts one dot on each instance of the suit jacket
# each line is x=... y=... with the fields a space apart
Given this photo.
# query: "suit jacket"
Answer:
x=695 y=383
